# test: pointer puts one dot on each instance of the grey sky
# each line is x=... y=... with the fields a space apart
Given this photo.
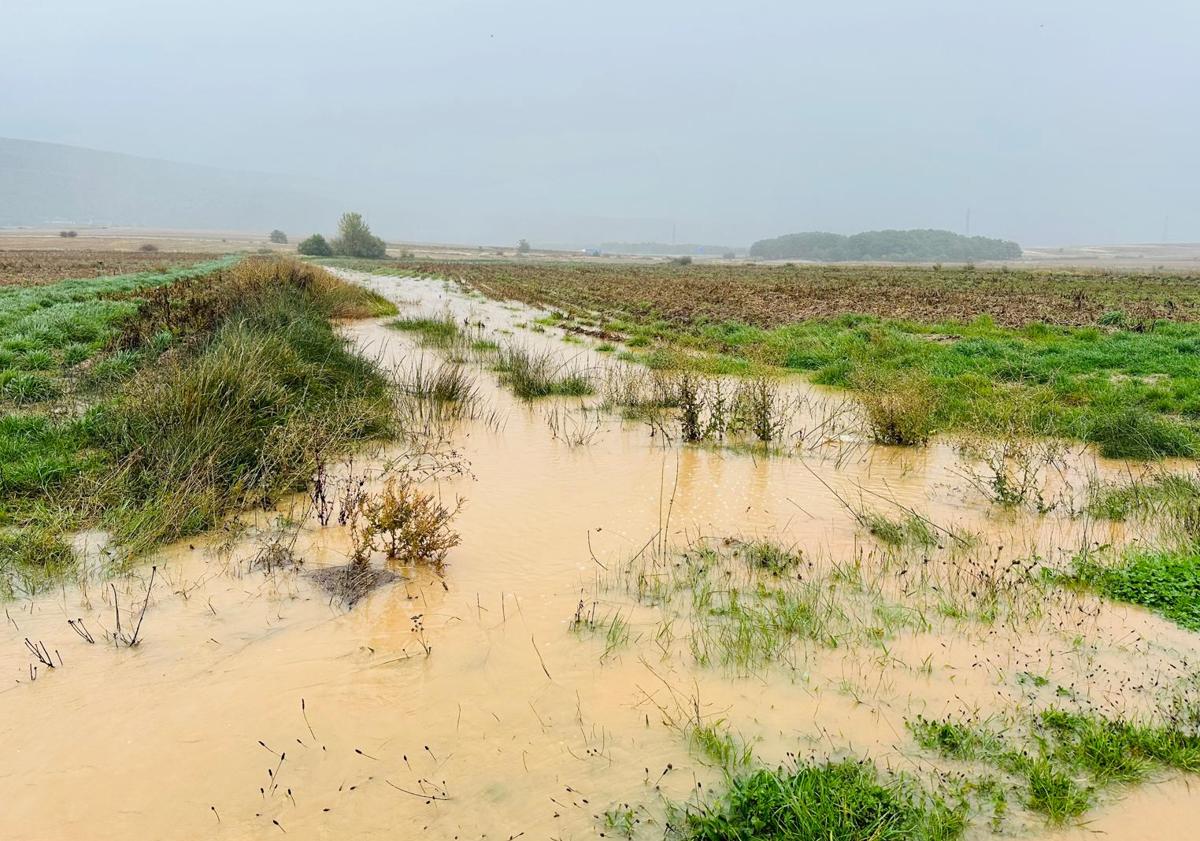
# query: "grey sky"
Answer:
x=569 y=121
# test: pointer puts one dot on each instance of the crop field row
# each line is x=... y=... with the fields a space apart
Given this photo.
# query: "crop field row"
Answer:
x=771 y=296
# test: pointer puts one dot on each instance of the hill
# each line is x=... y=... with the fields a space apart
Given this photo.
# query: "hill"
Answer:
x=925 y=245
x=48 y=183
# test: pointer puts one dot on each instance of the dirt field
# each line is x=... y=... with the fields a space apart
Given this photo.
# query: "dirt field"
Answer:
x=769 y=296
x=35 y=268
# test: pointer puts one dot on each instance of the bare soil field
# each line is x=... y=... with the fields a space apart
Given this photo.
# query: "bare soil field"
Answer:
x=773 y=295
x=36 y=268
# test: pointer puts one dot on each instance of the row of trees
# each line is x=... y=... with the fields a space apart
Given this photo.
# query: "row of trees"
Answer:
x=926 y=245
x=354 y=239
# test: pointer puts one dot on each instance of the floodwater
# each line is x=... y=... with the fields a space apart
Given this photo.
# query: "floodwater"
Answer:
x=463 y=706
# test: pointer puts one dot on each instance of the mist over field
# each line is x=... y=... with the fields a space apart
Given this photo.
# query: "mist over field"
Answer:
x=581 y=123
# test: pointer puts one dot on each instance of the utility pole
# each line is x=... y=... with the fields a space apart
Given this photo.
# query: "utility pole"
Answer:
x=968 y=221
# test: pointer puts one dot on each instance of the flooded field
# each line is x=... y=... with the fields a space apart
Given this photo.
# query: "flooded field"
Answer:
x=605 y=644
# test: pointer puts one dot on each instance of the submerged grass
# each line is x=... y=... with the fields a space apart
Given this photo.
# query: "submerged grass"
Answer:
x=1062 y=758
x=531 y=374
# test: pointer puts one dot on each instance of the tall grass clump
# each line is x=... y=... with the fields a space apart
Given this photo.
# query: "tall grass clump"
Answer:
x=250 y=390
x=849 y=801
x=900 y=408
x=531 y=374
x=245 y=418
x=1125 y=430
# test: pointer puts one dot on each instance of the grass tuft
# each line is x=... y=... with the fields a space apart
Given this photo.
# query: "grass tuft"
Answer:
x=849 y=801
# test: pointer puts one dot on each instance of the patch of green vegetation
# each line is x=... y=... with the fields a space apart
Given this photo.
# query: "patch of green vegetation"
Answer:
x=1166 y=582
x=531 y=375
x=849 y=801
x=717 y=745
x=910 y=531
x=1165 y=495
x=1133 y=394
x=1065 y=757
x=262 y=390
x=775 y=559
x=44 y=328
x=437 y=332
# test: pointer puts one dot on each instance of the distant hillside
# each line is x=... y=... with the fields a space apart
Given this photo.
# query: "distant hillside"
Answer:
x=901 y=246
x=668 y=249
x=47 y=183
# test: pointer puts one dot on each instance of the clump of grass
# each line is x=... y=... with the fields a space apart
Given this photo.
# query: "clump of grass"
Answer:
x=25 y=387
x=1126 y=430
x=716 y=744
x=759 y=408
x=1166 y=582
x=431 y=332
x=444 y=382
x=900 y=408
x=531 y=375
x=246 y=416
x=1170 y=496
x=955 y=739
x=849 y=801
x=775 y=559
x=910 y=531
x=36 y=554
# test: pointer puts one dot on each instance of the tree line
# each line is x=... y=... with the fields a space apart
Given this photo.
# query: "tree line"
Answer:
x=926 y=245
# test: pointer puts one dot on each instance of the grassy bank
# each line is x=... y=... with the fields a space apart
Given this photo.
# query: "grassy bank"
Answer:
x=250 y=388
x=1108 y=358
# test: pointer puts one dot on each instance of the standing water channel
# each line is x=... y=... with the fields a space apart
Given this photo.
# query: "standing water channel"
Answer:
x=554 y=680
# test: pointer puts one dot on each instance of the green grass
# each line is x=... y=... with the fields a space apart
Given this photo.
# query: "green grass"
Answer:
x=1133 y=394
x=1170 y=496
x=1063 y=758
x=433 y=332
x=1166 y=582
x=531 y=374
x=719 y=747
x=65 y=323
x=848 y=801
x=910 y=531
x=256 y=388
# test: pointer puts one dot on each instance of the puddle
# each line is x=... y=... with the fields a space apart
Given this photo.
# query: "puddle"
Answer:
x=463 y=705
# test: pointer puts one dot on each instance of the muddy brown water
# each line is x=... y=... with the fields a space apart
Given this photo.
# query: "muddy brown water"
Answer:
x=254 y=707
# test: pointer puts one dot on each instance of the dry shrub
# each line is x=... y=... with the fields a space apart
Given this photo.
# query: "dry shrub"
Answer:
x=408 y=525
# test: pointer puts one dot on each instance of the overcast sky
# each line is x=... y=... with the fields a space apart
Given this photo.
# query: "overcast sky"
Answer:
x=571 y=120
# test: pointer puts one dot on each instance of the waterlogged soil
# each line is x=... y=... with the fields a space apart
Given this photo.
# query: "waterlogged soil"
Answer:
x=462 y=705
